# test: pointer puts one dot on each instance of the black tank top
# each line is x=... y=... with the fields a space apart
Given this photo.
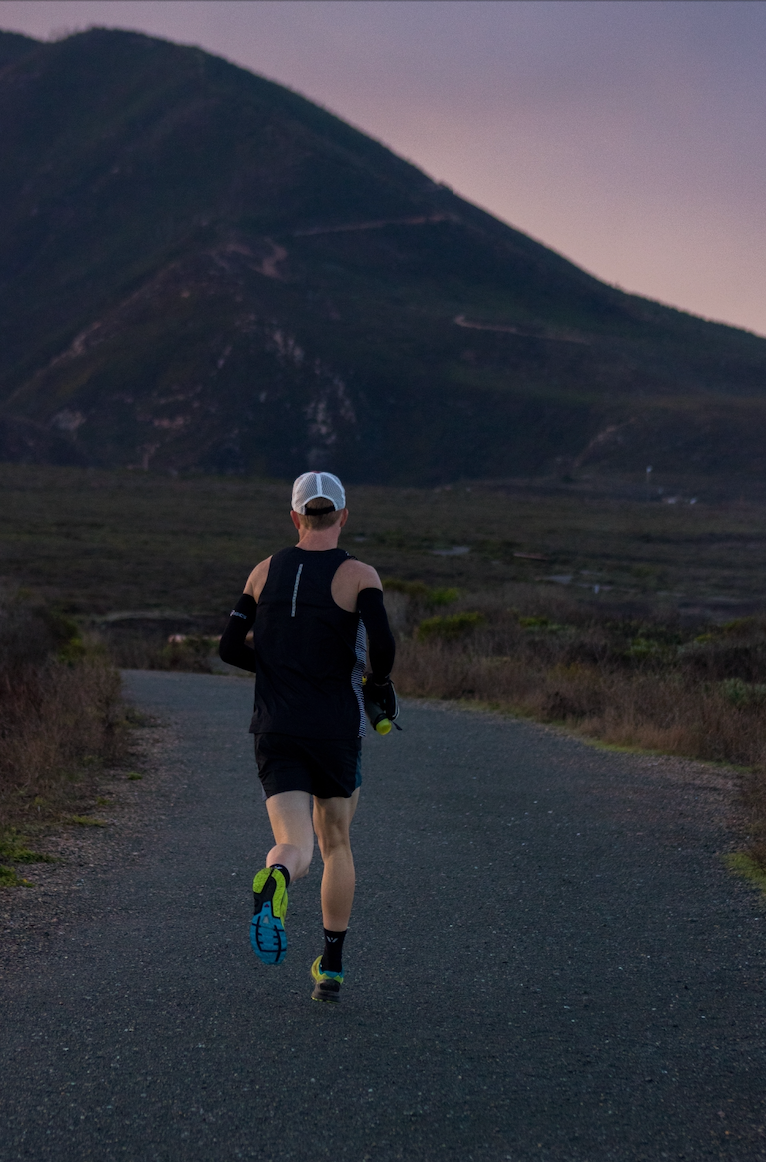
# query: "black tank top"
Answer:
x=309 y=653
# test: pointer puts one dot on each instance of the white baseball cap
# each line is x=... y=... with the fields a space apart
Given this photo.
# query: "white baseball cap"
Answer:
x=317 y=486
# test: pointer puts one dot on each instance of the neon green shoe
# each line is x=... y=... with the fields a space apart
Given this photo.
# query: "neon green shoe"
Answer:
x=327 y=984
x=267 y=928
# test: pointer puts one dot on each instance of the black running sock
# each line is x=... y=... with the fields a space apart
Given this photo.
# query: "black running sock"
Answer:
x=332 y=957
x=281 y=867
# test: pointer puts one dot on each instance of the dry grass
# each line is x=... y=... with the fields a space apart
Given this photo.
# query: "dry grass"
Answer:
x=667 y=712
x=61 y=718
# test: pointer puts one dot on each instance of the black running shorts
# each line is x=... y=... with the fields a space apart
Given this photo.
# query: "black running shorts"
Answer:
x=329 y=768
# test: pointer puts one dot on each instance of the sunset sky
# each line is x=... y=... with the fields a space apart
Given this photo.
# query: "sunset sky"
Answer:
x=627 y=135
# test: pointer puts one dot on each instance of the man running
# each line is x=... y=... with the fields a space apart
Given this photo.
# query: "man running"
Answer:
x=309 y=607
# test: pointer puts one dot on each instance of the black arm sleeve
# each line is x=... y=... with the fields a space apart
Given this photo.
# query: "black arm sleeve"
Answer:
x=233 y=648
x=381 y=640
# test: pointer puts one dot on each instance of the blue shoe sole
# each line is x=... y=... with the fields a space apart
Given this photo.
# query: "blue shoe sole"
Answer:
x=267 y=936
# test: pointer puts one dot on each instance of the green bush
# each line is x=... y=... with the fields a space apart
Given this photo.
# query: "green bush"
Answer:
x=419 y=591
x=743 y=694
x=452 y=626
x=443 y=596
x=646 y=649
x=193 y=653
x=541 y=623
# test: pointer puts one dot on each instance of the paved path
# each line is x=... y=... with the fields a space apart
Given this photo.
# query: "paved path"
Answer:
x=547 y=961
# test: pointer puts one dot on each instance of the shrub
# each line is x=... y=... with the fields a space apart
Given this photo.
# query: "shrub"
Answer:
x=453 y=626
x=190 y=652
x=419 y=591
x=416 y=589
x=541 y=623
x=743 y=694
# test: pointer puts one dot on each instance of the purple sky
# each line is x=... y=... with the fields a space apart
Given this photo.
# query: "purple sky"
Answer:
x=628 y=135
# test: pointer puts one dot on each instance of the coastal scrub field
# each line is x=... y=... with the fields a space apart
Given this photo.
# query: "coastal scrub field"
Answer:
x=106 y=543
x=631 y=616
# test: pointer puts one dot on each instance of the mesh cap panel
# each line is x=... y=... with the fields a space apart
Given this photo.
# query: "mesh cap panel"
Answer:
x=313 y=485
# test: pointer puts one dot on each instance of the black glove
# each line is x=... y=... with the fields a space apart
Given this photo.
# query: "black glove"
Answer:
x=382 y=694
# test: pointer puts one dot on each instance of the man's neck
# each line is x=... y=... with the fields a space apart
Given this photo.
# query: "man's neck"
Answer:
x=319 y=540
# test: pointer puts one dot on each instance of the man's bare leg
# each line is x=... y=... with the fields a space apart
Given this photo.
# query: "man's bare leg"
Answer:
x=289 y=859
x=290 y=818
x=332 y=823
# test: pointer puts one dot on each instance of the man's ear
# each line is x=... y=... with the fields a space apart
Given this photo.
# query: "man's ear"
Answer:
x=344 y=517
x=294 y=517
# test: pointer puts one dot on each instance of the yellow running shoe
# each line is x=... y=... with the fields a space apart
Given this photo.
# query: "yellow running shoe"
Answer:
x=327 y=984
x=267 y=929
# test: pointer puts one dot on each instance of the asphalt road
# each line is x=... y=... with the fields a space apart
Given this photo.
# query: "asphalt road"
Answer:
x=547 y=960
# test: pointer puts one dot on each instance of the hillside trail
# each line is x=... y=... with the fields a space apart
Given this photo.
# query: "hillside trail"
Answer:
x=547 y=960
x=378 y=224
x=269 y=264
x=559 y=335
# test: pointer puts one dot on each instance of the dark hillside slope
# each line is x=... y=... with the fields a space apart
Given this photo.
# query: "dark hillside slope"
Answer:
x=200 y=269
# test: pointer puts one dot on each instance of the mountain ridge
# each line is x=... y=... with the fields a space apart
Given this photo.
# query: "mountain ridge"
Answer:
x=204 y=271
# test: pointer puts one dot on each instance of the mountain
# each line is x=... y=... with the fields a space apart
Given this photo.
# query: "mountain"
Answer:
x=13 y=46
x=202 y=270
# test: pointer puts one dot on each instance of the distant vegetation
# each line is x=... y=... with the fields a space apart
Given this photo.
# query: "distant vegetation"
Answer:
x=204 y=271
x=175 y=551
